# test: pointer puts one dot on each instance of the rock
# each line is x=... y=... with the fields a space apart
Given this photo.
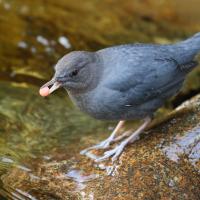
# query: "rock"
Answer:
x=163 y=164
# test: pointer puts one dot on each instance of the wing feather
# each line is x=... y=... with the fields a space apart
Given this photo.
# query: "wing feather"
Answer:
x=158 y=80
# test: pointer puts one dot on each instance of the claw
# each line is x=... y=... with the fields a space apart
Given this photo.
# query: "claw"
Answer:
x=115 y=152
x=106 y=143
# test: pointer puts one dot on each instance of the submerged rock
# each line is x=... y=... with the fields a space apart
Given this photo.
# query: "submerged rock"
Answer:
x=163 y=164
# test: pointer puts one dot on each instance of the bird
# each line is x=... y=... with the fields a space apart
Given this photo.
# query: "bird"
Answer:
x=124 y=82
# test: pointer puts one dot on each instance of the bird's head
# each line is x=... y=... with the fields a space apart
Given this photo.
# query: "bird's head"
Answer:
x=77 y=71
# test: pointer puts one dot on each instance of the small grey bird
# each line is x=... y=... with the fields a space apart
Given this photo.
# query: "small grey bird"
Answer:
x=124 y=82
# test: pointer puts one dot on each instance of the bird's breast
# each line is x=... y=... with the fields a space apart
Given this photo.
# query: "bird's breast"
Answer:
x=103 y=109
x=86 y=103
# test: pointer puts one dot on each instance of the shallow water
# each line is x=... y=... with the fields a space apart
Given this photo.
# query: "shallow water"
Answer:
x=36 y=124
x=34 y=35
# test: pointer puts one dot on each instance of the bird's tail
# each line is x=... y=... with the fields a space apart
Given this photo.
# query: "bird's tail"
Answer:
x=192 y=43
x=188 y=49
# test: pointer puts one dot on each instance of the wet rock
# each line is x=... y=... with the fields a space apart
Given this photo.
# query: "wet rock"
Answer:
x=163 y=164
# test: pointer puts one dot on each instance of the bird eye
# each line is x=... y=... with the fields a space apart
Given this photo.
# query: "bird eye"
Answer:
x=73 y=73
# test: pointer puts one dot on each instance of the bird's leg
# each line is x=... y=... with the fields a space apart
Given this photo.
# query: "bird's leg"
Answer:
x=115 y=153
x=124 y=135
x=106 y=143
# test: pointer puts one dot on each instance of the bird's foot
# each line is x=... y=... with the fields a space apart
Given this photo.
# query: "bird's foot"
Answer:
x=102 y=145
x=114 y=153
x=106 y=143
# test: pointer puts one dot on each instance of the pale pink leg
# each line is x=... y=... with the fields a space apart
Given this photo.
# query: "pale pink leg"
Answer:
x=124 y=135
x=115 y=153
x=106 y=143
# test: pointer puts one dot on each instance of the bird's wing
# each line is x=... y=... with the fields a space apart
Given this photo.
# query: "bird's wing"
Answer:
x=159 y=77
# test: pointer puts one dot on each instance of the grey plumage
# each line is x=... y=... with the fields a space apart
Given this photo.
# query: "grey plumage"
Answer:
x=125 y=82
x=142 y=76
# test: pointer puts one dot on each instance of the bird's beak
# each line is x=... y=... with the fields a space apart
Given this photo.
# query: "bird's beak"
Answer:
x=54 y=87
x=50 y=87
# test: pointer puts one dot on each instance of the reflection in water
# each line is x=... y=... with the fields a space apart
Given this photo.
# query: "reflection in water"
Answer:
x=42 y=40
x=64 y=42
x=22 y=44
x=6 y=160
x=23 y=168
x=189 y=145
x=15 y=194
x=79 y=177
x=25 y=194
x=10 y=162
